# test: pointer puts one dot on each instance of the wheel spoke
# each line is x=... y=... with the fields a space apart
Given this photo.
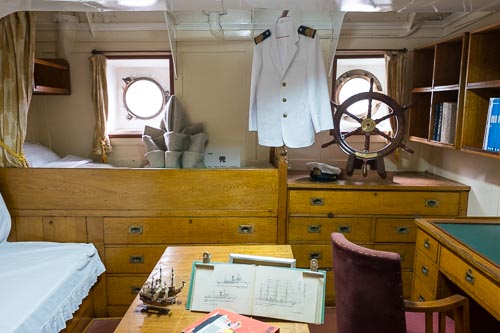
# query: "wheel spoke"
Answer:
x=382 y=134
x=387 y=116
x=369 y=114
x=356 y=131
x=367 y=141
x=359 y=120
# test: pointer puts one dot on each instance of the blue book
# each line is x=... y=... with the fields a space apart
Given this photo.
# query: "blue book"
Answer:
x=492 y=130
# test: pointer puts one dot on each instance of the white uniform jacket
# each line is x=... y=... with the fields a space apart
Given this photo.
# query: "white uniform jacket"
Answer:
x=289 y=98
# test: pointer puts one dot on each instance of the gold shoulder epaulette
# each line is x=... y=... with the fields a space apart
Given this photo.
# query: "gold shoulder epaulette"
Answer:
x=306 y=31
x=263 y=36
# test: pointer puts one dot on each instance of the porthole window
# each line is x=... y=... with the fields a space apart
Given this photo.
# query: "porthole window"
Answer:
x=354 y=82
x=143 y=98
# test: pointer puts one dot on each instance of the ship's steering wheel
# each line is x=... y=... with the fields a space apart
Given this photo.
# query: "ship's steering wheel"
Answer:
x=367 y=128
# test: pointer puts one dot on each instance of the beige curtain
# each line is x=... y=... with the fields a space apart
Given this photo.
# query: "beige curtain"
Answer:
x=17 y=53
x=102 y=146
x=395 y=66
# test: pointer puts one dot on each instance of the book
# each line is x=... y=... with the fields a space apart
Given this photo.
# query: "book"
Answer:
x=266 y=291
x=491 y=140
x=437 y=120
x=224 y=321
x=448 y=123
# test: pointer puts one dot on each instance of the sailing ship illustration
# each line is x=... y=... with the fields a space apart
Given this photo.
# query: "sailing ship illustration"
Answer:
x=158 y=292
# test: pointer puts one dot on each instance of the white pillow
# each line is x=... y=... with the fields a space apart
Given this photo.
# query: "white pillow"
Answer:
x=4 y=221
x=38 y=155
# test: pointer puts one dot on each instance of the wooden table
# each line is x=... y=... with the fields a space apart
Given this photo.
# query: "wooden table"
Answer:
x=181 y=259
x=465 y=252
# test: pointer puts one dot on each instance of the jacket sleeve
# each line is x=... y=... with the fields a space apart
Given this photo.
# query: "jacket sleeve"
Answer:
x=317 y=86
x=256 y=68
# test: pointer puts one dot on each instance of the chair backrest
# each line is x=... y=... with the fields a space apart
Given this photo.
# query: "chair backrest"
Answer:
x=368 y=288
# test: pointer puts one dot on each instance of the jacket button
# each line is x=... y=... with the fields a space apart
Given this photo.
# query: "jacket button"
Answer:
x=283 y=84
x=284 y=100
x=285 y=115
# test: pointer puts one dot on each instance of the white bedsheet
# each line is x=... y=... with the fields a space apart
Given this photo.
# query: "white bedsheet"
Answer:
x=43 y=283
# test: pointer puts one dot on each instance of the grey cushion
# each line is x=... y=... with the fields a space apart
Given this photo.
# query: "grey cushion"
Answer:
x=198 y=142
x=156 y=159
x=173 y=159
x=191 y=159
x=176 y=141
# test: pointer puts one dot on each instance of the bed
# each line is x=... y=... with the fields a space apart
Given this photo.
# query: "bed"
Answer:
x=42 y=283
x=39 y=156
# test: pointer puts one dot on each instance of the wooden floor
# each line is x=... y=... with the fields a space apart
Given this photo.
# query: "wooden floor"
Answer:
x=108 y=325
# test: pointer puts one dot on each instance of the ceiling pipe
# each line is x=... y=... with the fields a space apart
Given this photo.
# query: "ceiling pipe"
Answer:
x=214 y=24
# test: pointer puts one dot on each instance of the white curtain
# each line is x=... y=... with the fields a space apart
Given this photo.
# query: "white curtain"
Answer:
x=17 y=53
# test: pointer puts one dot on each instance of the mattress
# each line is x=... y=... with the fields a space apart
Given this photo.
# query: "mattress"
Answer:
x=43 y=283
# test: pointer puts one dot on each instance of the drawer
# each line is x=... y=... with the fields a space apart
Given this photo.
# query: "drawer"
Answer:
x=123 y=289
x=133 y=259
x=188 y=230
x=472 y=281
x=426 y=271
x=398 y=230
x=407 y=279
x=374 y=202
x=420 y=293
x=304 y=253
x=406 y=251
x=306 y=229
x=427 y=245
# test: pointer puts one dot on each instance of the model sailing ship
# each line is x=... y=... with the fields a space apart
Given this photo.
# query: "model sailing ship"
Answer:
x=157 y=292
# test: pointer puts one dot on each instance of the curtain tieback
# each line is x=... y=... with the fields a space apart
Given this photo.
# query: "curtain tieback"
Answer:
x=20 y=157
x=104 y=156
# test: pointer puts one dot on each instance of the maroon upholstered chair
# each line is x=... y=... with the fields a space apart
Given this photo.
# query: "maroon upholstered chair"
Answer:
x=369 y=295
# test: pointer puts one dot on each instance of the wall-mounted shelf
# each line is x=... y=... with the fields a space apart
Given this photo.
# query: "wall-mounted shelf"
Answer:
x=463 y=72
x=51 y=77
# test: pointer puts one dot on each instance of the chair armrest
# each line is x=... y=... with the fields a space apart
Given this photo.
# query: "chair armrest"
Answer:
x=440 y=305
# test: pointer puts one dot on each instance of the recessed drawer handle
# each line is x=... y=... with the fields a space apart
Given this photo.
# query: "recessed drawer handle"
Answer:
x=427 y=245
x=431 y=203
x=135 y=290
x=315 y=255
x=402 y=230
x=345 y=229
x=468 y=277
x=317 y=201
x=135 y=229
x=245 y=229
x=421 y=298
x=425 y=270
x=314 y=228
x=136 y=259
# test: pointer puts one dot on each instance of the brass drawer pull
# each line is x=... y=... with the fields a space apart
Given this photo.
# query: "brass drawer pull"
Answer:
x=315 y=255
x=245 y=229
x=135 y=229
x=431 y=203
x=317 y=201
x=402 y=230
x=136 y=259
x=345 y=229
x=314 y=228
x=427 y=245
x=425 y=270
x=135 y=290
x=421 y=298
x=468 y=277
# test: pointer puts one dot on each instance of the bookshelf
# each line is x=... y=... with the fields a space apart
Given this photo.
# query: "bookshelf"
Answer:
x=464 y=70
x=438 y=79
x=51 y=77
x=483 y=83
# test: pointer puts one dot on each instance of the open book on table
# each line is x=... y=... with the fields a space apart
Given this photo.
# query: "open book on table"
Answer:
x=266 y=291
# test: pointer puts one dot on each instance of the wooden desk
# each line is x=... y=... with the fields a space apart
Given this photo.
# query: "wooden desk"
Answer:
x=181 y=259
x=465 y=251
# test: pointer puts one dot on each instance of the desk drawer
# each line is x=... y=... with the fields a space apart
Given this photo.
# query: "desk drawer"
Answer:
x=199 y=230
x=374 y=202
x=304 y=253
x=407 y=252
x=123 y=289
x=306 y=229
x=426 y=271
x=427 y=245
x=478 y=286
x=133 y=259
x=397 y=230
x=420 y=293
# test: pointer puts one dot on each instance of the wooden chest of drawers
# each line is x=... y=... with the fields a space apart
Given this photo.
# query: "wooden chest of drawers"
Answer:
x=375 y=215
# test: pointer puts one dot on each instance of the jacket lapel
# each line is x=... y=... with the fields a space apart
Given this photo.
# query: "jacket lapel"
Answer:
x=291 y=47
